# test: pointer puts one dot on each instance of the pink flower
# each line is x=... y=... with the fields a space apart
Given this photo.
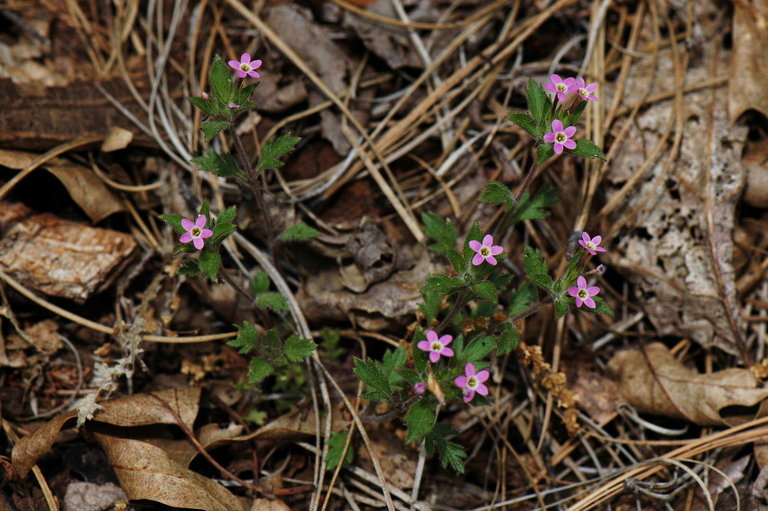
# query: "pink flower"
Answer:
x=204 y=95
x=195 y=232
x=561 y=136
x=559 y=86
x=246 y=66
x=485 y=250
x=582 y=293
x=420 y=388
x=436 y=347
x=585 y=91
x=472 y=382
x=232 y=106
x=591 y=244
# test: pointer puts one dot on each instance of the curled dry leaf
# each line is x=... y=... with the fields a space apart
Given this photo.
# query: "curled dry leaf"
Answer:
x=147 y=472
x=655 y=382
x=294 y=425
x=128 y=411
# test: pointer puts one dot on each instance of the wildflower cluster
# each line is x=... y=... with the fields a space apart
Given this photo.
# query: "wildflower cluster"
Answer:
x=471 y=312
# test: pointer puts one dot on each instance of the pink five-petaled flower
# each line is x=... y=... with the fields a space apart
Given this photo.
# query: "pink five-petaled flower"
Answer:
x=436 y=347
x=472 y=382
x=591 y=244
x=559 y=86
x=585 y=91
x=246 y=66
x=582 y=293
x=420 y=388
x=561 y=136
x=485 y=250
x=195 y=232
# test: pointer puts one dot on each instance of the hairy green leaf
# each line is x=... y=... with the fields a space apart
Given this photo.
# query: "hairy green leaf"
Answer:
x=524 y=121
x=297 y=349
x=212 y=128
x=498 y=193
x=536 y=269
x=421 y=419
x=442 y=284
x=299 y=232
x=210 y=262
x=258 y=369
x=538 y=102
x=274 y=149
x=247 y=338
x=587 y=149
x=372 y=373
x=336 y=450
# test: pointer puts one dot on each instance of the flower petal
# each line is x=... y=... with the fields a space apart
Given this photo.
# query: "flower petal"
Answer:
x=555 y=79
x=198 y=243
x=580 y=82
x=601 y=249
x=593 y=291
x=581 y=282
x=482 y=376
x=475 y=245
x=460 y=381
x=206 y=233
x=447 y=352
x=234 y=64
x=550 y=87
x=245 y=58
x=570 y=131
x=549 y=137
x=583 y=244
x=187 y=224
x=468 y=395
x=431 y=335
x=497 y=249
x=591 y=87
x=487 y=240
x=597 y=239
x=573 y=291
x=585 y=237
x=423 y=345
x=256 y=64
x=491 y=260
x=558 y=148
x=579 y=301
x=570 y=144
x=469 y=369
x=557 y=125
x=446 y=339
x=200 y=221
x=186 y=237
x=562 y=96
x=434 y=357
x=590 y=303
x=242 y=74
x=482 y=390
x=569 y=81
x=478 y=260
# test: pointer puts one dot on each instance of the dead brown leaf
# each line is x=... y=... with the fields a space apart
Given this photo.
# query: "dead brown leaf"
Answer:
x=653 y=381
x=747 y=88
x=135 y=410
x=295 y=425
x=117 y=138
x=147 y=472
x=269 y=505
x=85 y=188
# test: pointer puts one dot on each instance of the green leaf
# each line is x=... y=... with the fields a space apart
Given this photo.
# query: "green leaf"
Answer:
x=600 y=307
x=242 y=95
x=536 y=269
x=188 y=268
x=479 y=348
x=221 y=82
x=459 y=263
x=521 y=300
x=474 y=234
x=271 y=300
x=297 y=349
x=372 y=373
x=450 y=453
x=587 y=149
x=524 y=121
x=259 y=283
x=247 y=338
x=508 y=339
x=498 y=193
x=274 y=149
x=537 y=100
x=533 y=208
x=561 y=308
x=202 y=104
x=440 y=230
x=222 y=230
x=210 y=262
x=443 y=284
x=184 y=248
x=228 y=215
x=221 y=164
x=545 y=152
x=431 y=305
x=577 y=113
x=175 y=221
x=205 y=210
x=299 y=232
x=393 y=361
x=336 y=444
x=420 y=419
x=211 y=128
x=485 y=289
x=258 y=369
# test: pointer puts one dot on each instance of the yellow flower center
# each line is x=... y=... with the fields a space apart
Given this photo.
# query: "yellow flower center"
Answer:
x=583 y=294
x=472 y=382
x=591 y=245
x=245 y=67
x=584 y=92
x=561 y=87
x=437 y=346
x=485 y=251
x=196 y=232
x=560 y=137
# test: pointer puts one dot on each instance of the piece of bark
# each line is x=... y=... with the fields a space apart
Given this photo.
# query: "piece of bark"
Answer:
x=62 y=258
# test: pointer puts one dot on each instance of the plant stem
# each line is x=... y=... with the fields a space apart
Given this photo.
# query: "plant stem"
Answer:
x=458 y=304
x=533 y=310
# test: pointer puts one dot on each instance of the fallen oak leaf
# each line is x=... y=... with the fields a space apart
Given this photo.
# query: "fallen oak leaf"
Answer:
x=655 y=382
